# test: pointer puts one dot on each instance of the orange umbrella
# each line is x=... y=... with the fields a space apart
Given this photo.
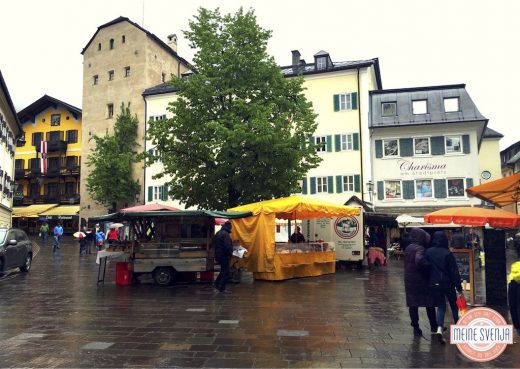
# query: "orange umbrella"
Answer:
x=473 y=216
x=501 y=192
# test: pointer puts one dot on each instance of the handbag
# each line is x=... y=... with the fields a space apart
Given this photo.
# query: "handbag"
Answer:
x=462 y=304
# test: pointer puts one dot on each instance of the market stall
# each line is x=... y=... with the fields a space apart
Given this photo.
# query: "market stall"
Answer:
x=270 y=260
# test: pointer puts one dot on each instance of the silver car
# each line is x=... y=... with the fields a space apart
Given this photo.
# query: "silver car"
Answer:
x=16 y=250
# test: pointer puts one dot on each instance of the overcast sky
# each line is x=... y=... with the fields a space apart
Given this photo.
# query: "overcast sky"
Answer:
x=418 y=43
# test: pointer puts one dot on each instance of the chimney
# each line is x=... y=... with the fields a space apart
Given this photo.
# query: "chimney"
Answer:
x=296 y=60
x=172 y=42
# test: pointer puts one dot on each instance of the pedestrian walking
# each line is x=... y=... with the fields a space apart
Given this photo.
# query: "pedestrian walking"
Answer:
x=58 y=233
x=100 y=239
x=514 y=295
x=223 y=252
x=44 y=233
x=416 y=280
x=113 y=236
x=82 y=245
x=444 y=279
x=89 y=239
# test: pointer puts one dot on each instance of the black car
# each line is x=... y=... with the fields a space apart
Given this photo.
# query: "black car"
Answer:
x=16 y=250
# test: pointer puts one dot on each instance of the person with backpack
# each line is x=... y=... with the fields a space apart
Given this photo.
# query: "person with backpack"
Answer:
x=100 y=239
x=444 y=279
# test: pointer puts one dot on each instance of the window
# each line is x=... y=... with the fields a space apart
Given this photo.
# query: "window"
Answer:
x=453 y=144
x=163 y=77
x=321 y=143
x=72 y=136
x=388 y=109
x=110 y=75
x=346 y=142
x=70 y=188
x=391 y=147
x=123 y=39
x=99 y=46
x=37 y=137
x=456 y=187
x=52 y=189
x=393 y=190
x=55 y=136
x=157 y=192
x=421 y=146
x=110 y=111
x=71 y=161
x=321 y=185
x=345 y=102
x=19 y=163
x=451 y=104
x=424 y=189
x=419 y=107
x=55 y=119
x=127 y=72
x=348 y=183
x=95 y=79
x=321 y=63
x=111 y=43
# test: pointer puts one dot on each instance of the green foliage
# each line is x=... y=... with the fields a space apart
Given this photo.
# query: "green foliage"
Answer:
x=240 y=130
x=111 y=180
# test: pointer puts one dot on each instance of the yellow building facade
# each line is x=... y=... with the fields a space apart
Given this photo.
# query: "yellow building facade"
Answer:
x=58 y=124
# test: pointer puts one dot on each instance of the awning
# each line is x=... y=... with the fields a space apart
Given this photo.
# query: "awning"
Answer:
x=31 y=211
x=501 y=192
x=179 y=213
x=61 y=212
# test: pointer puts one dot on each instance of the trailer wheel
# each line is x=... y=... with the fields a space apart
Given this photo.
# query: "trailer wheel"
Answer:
x=164 y=276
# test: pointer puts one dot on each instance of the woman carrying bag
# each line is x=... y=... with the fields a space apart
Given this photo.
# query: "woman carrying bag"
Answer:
x=444 y=279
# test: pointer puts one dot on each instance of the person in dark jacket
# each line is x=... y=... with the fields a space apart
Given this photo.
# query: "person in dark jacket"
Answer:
x=513 y=295
x=223 y=252
x=444 y=279
x=416 y=278
x=516 y=243
x=297 y=236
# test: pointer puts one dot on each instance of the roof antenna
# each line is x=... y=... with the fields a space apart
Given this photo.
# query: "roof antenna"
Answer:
x=142 y=22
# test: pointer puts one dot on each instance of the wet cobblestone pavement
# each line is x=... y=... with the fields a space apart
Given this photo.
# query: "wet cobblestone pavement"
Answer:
x=56 y=316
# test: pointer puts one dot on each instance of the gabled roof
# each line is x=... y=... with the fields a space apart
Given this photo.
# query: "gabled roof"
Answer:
x=5 y=91
x=163 y=88
x=156 y=39
x=310 y=68
x=29 y=113
x=491 y=133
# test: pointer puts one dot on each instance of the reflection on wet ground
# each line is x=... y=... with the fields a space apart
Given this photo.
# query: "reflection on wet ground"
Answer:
x=56 y=316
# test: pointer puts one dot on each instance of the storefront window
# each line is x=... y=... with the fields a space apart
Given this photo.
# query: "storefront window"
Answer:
x=393 y=190
x=423 y=188
x=456 y=187
x=391 y=147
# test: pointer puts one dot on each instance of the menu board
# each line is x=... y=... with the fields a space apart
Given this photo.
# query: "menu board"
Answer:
x=464 y=258
x=496 y=274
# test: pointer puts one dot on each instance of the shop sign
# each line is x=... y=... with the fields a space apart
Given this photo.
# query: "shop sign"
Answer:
x=58 y=217
x=18 y=195
x=411 y=168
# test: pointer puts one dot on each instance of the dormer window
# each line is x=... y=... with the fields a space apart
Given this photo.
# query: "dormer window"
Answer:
x=321 y=63
x=451 y=104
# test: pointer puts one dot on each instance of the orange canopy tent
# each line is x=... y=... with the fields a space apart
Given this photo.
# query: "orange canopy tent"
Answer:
x=501 y=192
x=473 y=216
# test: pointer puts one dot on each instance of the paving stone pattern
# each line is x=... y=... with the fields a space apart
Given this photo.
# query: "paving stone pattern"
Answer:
x=56 y=316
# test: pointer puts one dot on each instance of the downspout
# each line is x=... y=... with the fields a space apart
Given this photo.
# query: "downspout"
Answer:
x=361 y=179
x=144 y=166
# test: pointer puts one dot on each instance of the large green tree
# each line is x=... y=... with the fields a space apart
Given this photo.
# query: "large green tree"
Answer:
x=240 y=130
x=111 y=181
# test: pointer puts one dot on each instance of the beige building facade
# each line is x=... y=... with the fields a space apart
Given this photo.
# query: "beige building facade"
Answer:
x=120 y=61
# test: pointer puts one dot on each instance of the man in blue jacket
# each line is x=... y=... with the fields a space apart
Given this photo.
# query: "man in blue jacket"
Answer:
x=58 y=232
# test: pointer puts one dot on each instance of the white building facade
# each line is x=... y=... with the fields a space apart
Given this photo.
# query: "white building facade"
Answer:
x=10 y=131
x=425 y=146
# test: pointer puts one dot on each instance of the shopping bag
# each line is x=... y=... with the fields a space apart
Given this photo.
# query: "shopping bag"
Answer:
x=462 y=304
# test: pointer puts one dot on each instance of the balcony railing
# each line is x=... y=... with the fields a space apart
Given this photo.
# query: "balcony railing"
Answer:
x=54 y=146
x=64 y=199
x=71 y=199
x=52 y=172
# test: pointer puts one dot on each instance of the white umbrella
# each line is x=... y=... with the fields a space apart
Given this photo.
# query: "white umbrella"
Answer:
x=116 y=225
x=405 y=220
x=79 y=235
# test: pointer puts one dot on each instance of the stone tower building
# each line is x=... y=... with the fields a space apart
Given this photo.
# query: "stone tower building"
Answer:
x=120 y=61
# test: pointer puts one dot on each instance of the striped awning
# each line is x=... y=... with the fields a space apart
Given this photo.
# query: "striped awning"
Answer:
x=31 y=211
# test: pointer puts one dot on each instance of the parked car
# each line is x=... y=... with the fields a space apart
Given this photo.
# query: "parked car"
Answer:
x=16 y=250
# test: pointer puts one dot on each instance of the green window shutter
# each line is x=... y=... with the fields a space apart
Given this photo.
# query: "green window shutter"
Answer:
x=355 y=141
x=313 y=185
x=465 y=144
x=380 y=190
x=336 y=102
x=150 y=193
x=312 y=141
x=379 y=148
x=409 y=190
x=337 y=139
x=357 y=183
x=329 y=143
x=406 y=146
x=339 y=184
x=469 y=183
x=330 y=184
x=439 y=186
x=165 y=192
x=437 y=145
x=304 y=186
x=353 y=96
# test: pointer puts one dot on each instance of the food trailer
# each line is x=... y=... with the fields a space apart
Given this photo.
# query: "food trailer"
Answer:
x=270 y=260
x=165 y=244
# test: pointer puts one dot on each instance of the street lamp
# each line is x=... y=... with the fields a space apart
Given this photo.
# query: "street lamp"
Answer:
x=370 y=188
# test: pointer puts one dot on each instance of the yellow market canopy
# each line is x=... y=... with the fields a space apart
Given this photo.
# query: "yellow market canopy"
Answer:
x=64 y=211
x=299 y=207
x=31 y=211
